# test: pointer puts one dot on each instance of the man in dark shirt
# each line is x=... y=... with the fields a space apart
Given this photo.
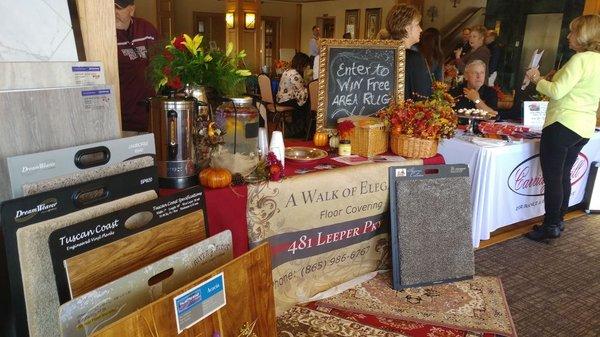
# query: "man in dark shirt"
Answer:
x=135 y=36
x=473 y=93
x=490 y=41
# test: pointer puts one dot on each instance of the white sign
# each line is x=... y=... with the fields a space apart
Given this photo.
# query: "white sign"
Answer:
x=534 y=114
x=199 y=302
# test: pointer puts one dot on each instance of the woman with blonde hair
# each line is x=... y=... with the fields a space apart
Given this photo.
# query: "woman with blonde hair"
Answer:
x=574 y=93
x=402 y=23
x=478 y=50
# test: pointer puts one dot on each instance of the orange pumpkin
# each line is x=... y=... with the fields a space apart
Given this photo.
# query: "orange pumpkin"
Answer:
x=320 y=139
x=215 y=177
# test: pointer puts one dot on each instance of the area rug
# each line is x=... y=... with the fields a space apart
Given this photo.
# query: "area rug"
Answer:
x=475 y=307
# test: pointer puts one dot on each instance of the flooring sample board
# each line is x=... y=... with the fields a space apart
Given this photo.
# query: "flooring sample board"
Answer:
x=430 y=210
x=100 y=307
x=48 y=119
x=104 y=235
x=88 y=175
x=249 y=309
x=27 y=224
x=37 y=75
x=99 y=266
x=39 y=172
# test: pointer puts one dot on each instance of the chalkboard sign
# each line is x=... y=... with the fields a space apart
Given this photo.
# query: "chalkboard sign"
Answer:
x=358 y=77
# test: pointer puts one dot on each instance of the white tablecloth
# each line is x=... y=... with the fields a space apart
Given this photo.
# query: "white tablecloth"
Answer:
x=507 y=185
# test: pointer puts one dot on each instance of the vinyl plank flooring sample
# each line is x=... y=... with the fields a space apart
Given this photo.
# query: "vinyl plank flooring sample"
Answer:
x=37 y=75
x=92 y=311
x=97 y=267
x=48 y=119
x=248 y=288
x=39 y=284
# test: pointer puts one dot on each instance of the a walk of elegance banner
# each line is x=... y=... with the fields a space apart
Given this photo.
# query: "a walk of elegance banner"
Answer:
x=324 y=228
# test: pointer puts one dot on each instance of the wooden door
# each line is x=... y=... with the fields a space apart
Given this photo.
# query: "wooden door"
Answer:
x=271 y=40
x=165 y=16
x=212 y=27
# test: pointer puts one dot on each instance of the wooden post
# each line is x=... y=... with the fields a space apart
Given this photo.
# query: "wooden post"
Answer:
x=242 y=38
x=99 y=35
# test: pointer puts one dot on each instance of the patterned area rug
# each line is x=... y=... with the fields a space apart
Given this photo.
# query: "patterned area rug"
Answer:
x=469 y=308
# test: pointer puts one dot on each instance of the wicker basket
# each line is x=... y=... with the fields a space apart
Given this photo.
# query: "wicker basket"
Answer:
x=369 y=136
x=410 y=147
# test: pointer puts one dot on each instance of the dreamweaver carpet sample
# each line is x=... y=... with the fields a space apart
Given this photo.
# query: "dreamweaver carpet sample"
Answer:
x=87 y=175
x=476 y=306
x=39 y=283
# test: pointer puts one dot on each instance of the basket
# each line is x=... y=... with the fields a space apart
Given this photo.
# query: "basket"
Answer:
x=411 y=147
x=369 y=136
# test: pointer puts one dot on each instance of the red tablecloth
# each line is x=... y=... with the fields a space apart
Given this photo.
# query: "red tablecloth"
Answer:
x=226 y=207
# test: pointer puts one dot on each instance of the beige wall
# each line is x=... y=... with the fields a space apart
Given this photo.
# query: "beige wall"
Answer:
x=446 y=12
x=289 y=21
x=337 y=9
x=146 y=9
x=184 y=10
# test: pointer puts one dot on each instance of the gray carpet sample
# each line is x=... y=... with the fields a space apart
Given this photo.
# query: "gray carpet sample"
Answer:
x=432 y=229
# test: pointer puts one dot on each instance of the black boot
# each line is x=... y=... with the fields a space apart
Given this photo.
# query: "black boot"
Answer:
x=561 y=226
x=544 y=233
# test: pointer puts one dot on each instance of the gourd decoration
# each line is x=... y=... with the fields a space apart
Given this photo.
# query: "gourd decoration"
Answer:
x=215 y=177
x=334 y=141
x=320 y=138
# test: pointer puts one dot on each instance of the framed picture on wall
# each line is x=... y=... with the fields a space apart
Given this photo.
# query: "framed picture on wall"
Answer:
x=352 y=23
x=372 y=22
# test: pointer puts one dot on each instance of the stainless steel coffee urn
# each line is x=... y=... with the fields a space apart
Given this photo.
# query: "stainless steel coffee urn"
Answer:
x=172 y=122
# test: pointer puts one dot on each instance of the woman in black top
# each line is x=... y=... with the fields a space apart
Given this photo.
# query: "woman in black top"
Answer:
x=430 y=47
x=402 y=23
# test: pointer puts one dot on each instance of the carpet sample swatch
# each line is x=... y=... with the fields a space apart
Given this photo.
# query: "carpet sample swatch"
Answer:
x=39 y=284
x=87 y=175
x=430 y=209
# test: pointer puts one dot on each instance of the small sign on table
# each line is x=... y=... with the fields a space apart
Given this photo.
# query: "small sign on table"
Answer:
x=199 y=302
x=534 y=114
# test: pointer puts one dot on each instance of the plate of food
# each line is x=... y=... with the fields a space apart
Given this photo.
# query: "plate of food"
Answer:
x=304 y=154
x=474 y=114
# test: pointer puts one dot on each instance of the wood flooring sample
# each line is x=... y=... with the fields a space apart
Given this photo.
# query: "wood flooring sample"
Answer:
x=102 y=265
x=250 y=303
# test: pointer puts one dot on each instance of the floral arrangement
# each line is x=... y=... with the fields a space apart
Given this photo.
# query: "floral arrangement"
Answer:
x=430 y=119
x=184 y=61
x=345 y=128
x=270 y=168
x=281 y=64
x=450 y=73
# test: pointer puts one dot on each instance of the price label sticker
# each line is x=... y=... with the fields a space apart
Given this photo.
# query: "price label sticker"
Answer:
x=199 y=302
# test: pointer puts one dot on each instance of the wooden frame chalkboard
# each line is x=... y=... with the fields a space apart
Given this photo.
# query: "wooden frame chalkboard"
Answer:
x=357 y=77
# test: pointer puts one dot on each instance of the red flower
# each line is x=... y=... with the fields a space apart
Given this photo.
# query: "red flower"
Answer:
x=175 y=83
x=345 y=128
x=167 y=54
x=167 y=71
x=178 y=43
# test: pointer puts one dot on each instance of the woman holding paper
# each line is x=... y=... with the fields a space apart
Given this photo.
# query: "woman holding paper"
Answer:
x=574 y=93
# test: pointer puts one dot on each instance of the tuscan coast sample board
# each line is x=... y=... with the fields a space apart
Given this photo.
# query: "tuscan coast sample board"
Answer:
x=92 y=311
x=430 y=209
x=27 y=224
x=99 y=266
x=48 y=119
x=249 y=308
x=38 y=75
x=94 y=252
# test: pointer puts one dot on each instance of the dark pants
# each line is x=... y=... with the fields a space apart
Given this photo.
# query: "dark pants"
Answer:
x=559 y=148
x=297 y=127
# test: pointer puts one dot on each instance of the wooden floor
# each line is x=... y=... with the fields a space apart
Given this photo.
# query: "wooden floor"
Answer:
x=520 y=228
